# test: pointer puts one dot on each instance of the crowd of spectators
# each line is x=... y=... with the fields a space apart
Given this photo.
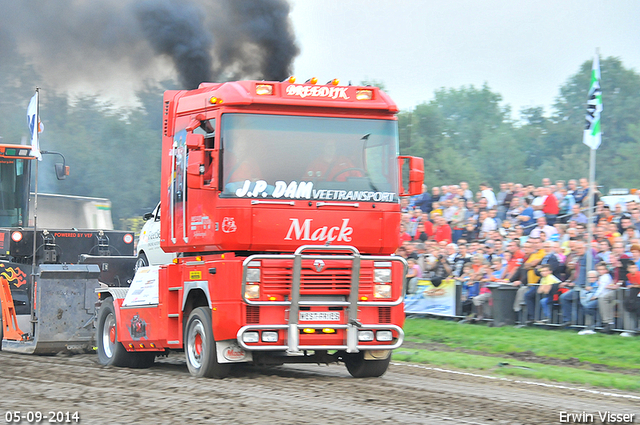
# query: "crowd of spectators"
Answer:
x=535 y=238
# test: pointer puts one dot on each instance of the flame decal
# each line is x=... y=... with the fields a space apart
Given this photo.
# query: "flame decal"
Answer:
x=14 y=275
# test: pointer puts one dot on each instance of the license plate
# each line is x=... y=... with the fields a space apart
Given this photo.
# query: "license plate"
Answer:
x=320 y=316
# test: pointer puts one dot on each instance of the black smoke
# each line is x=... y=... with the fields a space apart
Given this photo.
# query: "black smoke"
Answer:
x=177 y=30
x=255 y=35
x=86 y=42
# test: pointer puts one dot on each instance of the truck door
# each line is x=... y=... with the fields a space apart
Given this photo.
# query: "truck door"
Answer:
x=177 y=188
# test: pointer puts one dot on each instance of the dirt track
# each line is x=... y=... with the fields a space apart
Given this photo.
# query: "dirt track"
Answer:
x=167 y=394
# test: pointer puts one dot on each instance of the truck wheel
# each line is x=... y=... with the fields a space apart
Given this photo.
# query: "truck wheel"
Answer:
x=200 y=347
x=111 y=352
x=358 y=367
x=142 y=261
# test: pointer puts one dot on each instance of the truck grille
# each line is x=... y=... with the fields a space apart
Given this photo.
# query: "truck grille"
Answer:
x=384 y=314
x=334 y=279
x=253 y=314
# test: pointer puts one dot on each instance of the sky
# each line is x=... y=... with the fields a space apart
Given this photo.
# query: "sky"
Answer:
x=523 y=50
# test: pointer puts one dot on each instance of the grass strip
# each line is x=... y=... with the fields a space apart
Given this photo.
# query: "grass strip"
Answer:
x=510 y=367
x=609 y=350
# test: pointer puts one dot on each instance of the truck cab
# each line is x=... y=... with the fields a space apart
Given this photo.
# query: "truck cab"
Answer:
x=15 y=169
x=281 y=204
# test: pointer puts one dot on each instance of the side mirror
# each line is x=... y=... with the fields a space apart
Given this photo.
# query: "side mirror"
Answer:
x=147 y=216
x=411 y=175
x=195 y=141
x=62 y=171
x=195 y=169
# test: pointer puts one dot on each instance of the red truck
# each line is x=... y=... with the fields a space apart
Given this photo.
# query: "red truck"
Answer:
x=281 y=201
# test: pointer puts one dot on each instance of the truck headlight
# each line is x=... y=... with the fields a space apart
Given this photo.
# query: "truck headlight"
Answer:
x=250 y=337
x=269 y=336
x=381 y=291
x=253 y=275
x=384 y=336
x=252 y=291
x=365 y=336
x=382 y=275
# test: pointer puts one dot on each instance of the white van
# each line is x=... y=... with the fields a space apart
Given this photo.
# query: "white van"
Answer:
x=149 y=251
x=619 y=196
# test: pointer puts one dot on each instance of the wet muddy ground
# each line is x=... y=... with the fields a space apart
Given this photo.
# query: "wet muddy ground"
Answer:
x=297 y=394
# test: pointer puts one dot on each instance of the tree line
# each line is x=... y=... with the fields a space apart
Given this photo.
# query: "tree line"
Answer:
x=468 y=134
x=464 y=133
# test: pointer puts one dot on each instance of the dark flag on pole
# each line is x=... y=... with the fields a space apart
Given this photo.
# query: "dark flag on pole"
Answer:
x=592 y=130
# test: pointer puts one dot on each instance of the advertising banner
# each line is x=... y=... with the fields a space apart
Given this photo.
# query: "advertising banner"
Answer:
x=144 y=288
x=429 y=299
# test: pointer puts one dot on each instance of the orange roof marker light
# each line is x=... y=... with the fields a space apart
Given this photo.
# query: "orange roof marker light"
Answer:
x=311 y=80
x=290 y=80
x=215 y=100
x=264 y=89
x=364 y=94
x=333 y=82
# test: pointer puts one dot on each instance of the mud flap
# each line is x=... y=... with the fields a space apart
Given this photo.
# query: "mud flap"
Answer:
x=64 y=310
x=377 y=354
x=229 y=351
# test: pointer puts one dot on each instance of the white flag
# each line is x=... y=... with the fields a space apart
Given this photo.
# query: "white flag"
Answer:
x=592 y=131
x=35 y=126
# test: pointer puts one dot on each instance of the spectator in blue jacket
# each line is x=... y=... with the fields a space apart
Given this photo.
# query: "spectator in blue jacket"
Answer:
x=424 y=201
x=581 y=193
x=526 y=217
x=577 y=215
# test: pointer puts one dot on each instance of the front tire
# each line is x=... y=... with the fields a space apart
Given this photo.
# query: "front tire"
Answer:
x=111 y=352
x=200 y=346
x=358 y=367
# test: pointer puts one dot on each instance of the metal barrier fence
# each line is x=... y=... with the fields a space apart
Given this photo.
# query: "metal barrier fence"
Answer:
x=500 y=310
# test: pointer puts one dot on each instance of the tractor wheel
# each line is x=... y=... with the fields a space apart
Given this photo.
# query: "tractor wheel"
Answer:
x=111 y=352
x=200 y=347
x=358 y=367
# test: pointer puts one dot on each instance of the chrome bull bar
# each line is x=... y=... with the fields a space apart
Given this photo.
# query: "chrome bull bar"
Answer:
x=358 y=347
x=294 y=303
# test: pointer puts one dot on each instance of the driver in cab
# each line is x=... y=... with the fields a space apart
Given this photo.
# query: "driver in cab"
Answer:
x=241 y=163
x=330 y=166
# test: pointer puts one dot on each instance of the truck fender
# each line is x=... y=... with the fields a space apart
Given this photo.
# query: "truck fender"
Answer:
x=118 y=295
x=195 y=284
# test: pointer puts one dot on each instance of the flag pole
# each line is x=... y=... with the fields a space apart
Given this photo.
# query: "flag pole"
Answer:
x=591 y=193
x=593 y=138
x=35 y=221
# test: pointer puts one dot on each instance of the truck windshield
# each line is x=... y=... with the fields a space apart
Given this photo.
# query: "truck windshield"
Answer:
x=14 y=192
x=319 y=158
